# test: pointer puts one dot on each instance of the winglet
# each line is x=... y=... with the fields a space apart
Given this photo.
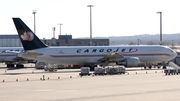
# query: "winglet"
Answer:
x=29 y=40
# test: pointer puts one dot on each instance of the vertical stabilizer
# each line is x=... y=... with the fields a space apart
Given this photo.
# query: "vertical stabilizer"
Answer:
x=29 y=40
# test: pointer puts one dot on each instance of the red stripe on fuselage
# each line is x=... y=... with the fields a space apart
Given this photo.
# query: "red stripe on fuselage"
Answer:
x=69 y=56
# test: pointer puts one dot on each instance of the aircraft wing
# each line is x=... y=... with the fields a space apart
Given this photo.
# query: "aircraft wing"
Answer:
x=112 y=57
x=30 y=53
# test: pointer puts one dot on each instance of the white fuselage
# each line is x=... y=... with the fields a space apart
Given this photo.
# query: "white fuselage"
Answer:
x=91 y=54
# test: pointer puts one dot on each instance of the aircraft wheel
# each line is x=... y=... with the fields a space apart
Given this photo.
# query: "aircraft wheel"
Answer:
x=164 y=67
x=21 y=66
x=8 y=65
x=17 y=65
x=150 y=67
x=12 y=65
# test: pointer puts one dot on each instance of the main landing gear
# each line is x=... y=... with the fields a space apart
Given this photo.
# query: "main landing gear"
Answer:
x=10 y=65
x=17 y=66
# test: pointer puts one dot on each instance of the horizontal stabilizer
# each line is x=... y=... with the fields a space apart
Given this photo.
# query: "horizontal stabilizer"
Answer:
x=30 y=54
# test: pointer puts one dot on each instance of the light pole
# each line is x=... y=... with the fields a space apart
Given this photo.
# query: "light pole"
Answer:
x=90 y=24
x=60 y=28
x=160 y=27
x=173 y=44
x=34 y=12
x=139 y=41
x=53 y=29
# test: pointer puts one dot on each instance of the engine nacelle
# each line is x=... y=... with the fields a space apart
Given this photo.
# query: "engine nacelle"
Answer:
x=129 y=62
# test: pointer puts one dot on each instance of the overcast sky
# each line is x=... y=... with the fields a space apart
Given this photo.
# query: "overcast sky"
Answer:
x=109 y=17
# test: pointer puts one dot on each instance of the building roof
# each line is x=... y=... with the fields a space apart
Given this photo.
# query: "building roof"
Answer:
x=12 y=36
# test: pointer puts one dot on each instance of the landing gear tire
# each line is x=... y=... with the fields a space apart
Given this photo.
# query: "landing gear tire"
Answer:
x=19 y=66
x=150 y=67
x=164 y=67
x=10 y=65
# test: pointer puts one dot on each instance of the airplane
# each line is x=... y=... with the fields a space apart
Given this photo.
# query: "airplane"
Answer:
x=9 y=55
x=129 y=56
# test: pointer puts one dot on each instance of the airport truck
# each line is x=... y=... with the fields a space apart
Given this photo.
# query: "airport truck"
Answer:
x=109 y=70
x=85 y=71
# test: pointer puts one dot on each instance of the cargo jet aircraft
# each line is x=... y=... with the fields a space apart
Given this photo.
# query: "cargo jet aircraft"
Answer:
x=129 y=56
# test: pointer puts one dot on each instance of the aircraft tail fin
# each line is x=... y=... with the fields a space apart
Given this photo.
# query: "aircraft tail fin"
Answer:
x=29 y=40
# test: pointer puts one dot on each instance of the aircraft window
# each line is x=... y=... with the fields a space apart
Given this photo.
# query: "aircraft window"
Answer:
x=123 y=50
x=130 y=49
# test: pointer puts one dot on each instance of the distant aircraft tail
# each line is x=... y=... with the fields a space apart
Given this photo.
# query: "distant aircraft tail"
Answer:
x=29 y=40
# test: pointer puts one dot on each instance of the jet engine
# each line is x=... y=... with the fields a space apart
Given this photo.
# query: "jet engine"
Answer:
x=129 y=62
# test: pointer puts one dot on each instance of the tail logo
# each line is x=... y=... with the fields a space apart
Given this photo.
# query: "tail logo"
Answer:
x=27 y=36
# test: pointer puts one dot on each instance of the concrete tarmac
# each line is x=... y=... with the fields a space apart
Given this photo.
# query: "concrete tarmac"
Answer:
x=67 y=85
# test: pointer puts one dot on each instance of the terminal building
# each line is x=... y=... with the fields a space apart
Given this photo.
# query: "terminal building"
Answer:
x=63 y=40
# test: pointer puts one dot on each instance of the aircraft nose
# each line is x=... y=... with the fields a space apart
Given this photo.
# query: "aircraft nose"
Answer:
x=174 y=54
